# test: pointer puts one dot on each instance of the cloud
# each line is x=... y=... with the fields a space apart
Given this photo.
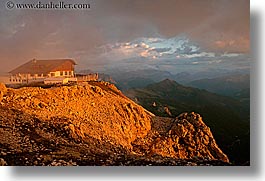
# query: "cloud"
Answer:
x=216 y=25
x=232 y=45
x=178 y=47
x=231 y=54
x=215 y=61
x=198 y=55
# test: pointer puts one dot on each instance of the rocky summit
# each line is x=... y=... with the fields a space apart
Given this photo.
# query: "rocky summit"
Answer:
x=95 y=124
x=185 y=137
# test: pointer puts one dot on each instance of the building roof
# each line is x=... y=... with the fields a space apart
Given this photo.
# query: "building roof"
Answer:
x=41 y=66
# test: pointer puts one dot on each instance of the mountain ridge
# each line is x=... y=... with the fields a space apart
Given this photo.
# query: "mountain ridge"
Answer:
x=226 y=85
x=227 y=117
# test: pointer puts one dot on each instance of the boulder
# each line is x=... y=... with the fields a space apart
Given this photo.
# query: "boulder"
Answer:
x=185 y=137
x=3 y=90
x=2 y=162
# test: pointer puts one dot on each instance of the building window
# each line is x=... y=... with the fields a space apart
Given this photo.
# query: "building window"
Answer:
x=52 y=74
x=61 y=73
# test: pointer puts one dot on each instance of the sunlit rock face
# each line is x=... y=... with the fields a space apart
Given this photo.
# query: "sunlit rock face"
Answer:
x=95 y=124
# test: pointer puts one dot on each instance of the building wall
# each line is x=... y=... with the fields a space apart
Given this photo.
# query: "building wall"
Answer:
x=61 y=74
x=54 y=74
x=26 y=78
x=56 y=80
x=66 y=70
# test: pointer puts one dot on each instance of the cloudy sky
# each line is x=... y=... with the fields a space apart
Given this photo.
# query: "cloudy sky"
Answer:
x=216 y=26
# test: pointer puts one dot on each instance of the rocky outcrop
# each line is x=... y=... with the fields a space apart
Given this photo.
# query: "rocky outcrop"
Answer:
x=98 y=110
x=3 y=90
x=95 y=124
x=186 y=137
x=2 y=162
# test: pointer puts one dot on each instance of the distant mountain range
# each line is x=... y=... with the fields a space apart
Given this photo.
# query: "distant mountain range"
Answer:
x=227 y=117
x=232 y=85
x=139 y=78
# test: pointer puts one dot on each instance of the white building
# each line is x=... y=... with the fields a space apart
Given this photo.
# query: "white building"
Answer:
x=53 y=71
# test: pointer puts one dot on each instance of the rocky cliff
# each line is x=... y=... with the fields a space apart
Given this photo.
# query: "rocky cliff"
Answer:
x=95 y=124
x=3 y=90
x=185 y=137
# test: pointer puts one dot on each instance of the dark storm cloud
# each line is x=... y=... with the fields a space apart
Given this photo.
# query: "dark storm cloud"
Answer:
x=161 y=50
x=220 y=25
x=205 y=21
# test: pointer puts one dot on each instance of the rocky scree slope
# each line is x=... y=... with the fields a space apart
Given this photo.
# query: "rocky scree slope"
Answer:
x=185 y=137
x=95 y=124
